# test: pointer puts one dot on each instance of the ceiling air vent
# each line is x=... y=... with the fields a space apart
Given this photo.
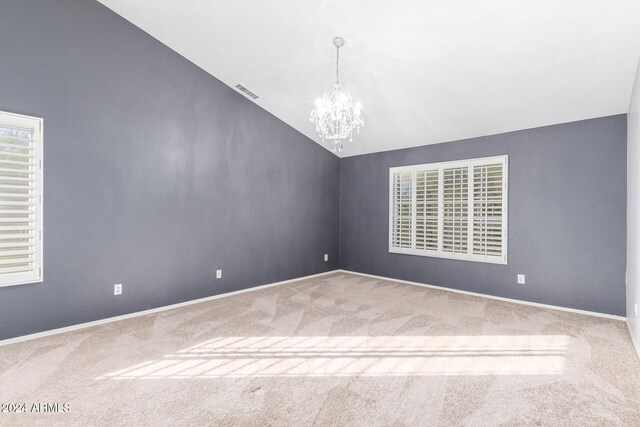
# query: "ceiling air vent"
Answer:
x=247 y=92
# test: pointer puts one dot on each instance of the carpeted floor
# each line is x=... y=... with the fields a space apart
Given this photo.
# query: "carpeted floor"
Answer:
x=335 y=350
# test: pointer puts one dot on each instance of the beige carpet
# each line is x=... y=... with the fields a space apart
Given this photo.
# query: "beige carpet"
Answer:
x=335 y=350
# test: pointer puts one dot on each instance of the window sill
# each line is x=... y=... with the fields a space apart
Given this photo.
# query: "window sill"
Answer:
x=462 y=257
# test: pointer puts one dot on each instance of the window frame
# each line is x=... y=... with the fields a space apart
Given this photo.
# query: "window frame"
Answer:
x=441 y=166
x=37 y=274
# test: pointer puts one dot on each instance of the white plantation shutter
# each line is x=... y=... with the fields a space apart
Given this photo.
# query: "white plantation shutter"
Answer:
x=450 y=209
x=455 y=217
x=401 y=207
x=20 y=199
x=427 y=190
x=489 y=210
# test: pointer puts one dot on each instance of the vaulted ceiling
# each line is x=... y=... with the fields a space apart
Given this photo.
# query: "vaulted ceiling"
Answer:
x=425 y=71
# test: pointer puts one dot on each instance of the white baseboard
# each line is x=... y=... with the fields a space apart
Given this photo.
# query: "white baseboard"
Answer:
x=516 y=301
x=214 y=297
x=636 y=344
x=151 y=311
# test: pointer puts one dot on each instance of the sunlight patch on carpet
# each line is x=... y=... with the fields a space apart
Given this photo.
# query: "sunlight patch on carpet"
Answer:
x=319 y=356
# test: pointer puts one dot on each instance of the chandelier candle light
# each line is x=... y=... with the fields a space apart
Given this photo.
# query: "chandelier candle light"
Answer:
x=335 y=115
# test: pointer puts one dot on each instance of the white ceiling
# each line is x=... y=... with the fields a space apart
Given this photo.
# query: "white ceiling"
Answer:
x=425 y=71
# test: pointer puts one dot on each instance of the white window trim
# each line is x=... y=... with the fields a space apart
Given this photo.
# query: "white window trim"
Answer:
x=37 y=274
x=440 y=166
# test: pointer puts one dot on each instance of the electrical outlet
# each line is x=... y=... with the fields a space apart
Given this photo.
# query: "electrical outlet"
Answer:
x=117 y=289
x=218 y=274
x=520 y=279
x=326 y=257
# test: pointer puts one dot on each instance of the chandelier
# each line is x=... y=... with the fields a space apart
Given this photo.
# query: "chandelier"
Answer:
x=335 y=115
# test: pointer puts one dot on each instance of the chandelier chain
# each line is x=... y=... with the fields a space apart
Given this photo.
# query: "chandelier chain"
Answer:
x=337 y=65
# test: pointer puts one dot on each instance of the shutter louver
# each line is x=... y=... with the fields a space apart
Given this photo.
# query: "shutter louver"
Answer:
x=455 y=216
x=427 y=210
x=20 y=204
x=402 y=208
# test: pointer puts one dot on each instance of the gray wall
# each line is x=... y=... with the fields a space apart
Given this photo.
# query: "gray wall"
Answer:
x=567 y=216
x=155 y=173
x=633 y=213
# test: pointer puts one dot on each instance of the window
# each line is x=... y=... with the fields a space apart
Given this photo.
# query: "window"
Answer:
x=20 y=199
x=450 y=210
